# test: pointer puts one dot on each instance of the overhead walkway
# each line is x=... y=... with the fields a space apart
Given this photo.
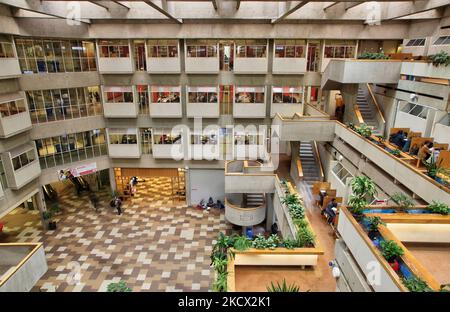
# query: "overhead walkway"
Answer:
x=298 y=128
x=354 y=71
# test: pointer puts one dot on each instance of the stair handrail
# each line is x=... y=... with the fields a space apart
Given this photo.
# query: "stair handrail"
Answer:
x=319 y=161
x=375 y=102
x=358 y=114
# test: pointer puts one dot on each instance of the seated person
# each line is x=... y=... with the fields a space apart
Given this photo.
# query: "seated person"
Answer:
x=425 y=151
x=330 y=210
x=406 y=146
x=399 y=138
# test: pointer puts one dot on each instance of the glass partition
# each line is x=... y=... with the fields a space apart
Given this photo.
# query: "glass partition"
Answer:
x=114 y=48
x=201 y=48
x=58 y=150
x=166 y=136
x=11 y=108
x=54 y=56
x=122 y=136
x=118 y=94
x=340 y=49
x=290 y=48
x=23 y=159
x=6 y=47
x=204 y=139
x=251 y=48
x=202 y=94
x=162 y=48
x=62 y=104
x=287 y=95
x=247 y=139
x=165 y=94
x=249 y=95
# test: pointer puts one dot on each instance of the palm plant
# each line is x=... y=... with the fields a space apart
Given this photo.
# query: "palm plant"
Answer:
x=284 y=287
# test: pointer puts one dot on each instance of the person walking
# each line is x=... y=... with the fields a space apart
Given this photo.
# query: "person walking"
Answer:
x=118 y=205
x=94 y=201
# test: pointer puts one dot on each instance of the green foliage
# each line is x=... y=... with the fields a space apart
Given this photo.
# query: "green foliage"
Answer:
x=260 y=242
x=433 y=169
x=47 y=215
x=305 y=237
x=55 y=208
x=364 y=130
x=242 y=243
x=404 y=201
x=357 y=204
x=294 y=205
x=220 y=284
x=362 y=186
x=441 y=58
x=289 y=243
x=438 y=207
x=352 y=126
x=118 y=287
x=374 y=222
x=284 y=287
x=373 y=56
x=390 y=250
x=395 y=152
x=415 y=284
x=382 y=138
x=220 y=263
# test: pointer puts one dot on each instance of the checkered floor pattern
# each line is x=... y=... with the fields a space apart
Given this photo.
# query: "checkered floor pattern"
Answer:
x=155 y=245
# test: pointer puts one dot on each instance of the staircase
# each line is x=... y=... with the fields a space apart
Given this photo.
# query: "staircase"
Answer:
x=311 y=171
x=253 y=200
x=367 y=111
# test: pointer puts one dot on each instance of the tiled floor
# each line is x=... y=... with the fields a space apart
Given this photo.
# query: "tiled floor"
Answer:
x=156 y=245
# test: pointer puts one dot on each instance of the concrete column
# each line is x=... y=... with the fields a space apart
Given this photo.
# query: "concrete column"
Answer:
x=430 y=123
x=269 y=212
x=112 y=180
x=39 y=203
x=187 y=183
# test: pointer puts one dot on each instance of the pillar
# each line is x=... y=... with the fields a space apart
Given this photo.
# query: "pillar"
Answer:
x=39 y=203
x=112 y=179
x=269 y=211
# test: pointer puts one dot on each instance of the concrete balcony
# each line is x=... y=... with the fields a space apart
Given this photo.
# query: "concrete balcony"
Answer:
x=202 y=65
x=120 y=110
x=21 y=166
x=284 y=109
x=438 y=95
x=21 y=266
x=123 y=143
x=250 y=65
x=237 y=214
x=14 y=124
x=115 y=65
x=166 y=110
x=353 y=71
x=205 y=152
x=163 y=65
x=249 y=110
x=424 y=69
x=249 y=177
x=124 y=151
x=10 y=68
x=204 y=110
x=168 y=151
x=288 y=66
x=305 y=128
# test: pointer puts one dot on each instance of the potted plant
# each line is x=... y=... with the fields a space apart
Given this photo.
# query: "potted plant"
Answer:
x=55 y=209
x=118 y=287
x=391 y=251
x=49 y=224
x=416 y=284
x=362 y=186
x=372 y=224
x=373 y=56
x=364 y=130
x=433 y=170
x=403 y=201
x=381 y=140
x=395 y=152
x=441 y=58
x=357 y=205
x=438 y=207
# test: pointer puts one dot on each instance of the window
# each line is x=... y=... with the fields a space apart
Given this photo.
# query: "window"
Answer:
x=118 y=94
x=416 y=42
x=249 y=95
x=166 y=136
x=287 y=95
x=63 y=104
x=6 y=47
x=290 y=48
x=12 y=108
x=121 y=138
x=54 y=56
x=114 y=48
x=55 y=151
x=202 y=94
x=415 y=110
x=340 y=49
x=162 y=48
x=165 y=94
x=202 y=139
x=251 y=48
x=23 y=159
x=201 y=48
x=142 y=93
x=341 y=173
x=146 y=140
x=248 y=139
x=444 y=40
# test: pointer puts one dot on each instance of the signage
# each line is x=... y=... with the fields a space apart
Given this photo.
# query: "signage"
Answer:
x=77 y=171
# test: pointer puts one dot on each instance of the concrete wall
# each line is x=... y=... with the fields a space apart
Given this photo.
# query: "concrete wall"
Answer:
x=204 y=183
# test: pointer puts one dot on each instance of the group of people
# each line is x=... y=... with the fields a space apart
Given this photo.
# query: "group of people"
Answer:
x=426 y=152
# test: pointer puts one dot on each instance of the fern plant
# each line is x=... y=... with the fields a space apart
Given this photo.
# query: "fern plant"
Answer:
x=441 y=58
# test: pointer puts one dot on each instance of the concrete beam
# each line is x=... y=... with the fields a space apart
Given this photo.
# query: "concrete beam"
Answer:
x=397 y=10
x=58 y=10
x=100 y=5
x=350 y=5
x=162 y=11
x=290 y=8
x=214 y=3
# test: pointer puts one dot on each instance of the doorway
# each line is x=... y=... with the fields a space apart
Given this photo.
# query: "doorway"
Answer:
x=226 y=54
x=140 y=59
x=313 y=58
x=226 y=100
